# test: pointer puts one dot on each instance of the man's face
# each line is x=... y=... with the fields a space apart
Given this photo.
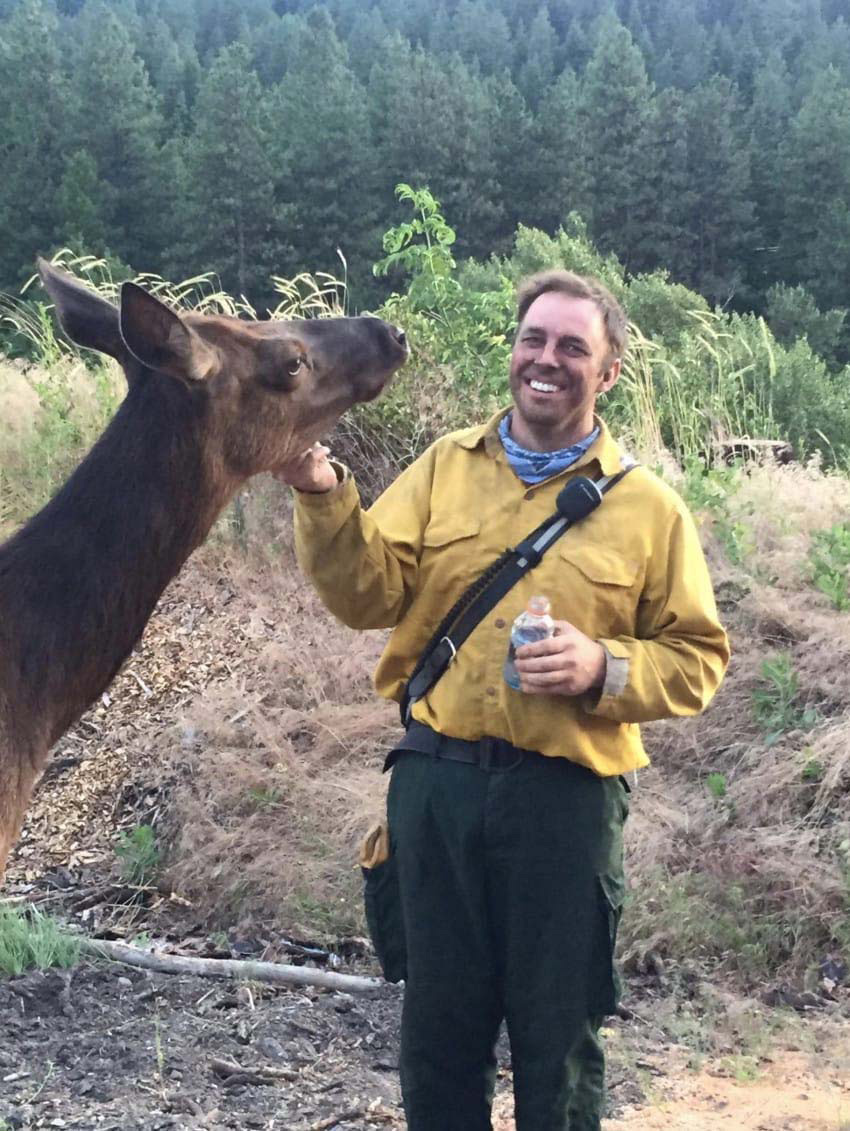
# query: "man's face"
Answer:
x=560 y=363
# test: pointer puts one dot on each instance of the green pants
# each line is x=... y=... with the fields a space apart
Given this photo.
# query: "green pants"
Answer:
x=511 y=887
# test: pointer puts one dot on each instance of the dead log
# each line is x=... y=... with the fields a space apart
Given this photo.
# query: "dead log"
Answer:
x=276 y=973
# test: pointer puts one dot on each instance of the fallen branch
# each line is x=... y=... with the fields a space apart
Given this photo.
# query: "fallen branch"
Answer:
x=230 y=1073
x=277 y=974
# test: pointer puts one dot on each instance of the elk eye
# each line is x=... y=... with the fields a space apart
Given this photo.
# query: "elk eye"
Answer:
x=294 y=365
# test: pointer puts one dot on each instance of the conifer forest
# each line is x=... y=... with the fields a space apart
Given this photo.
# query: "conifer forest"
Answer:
x=707 y=138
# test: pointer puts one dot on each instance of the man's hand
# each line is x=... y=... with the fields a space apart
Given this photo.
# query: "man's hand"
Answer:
x=311 y=471
x=568 y=663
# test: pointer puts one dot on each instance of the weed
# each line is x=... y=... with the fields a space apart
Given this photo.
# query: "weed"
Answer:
x=268 y=798
x=34 y=941
x=776 y=706
x=716 y=785
x=743 y=1069
x=813 y=771
x=829 y=557
x=139 y=855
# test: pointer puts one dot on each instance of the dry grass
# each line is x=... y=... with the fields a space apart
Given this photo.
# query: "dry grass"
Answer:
x=276 y=778
x=49 y=418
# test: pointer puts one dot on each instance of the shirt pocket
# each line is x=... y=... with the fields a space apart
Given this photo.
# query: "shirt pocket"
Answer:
x=451 y=556
x=601 y=589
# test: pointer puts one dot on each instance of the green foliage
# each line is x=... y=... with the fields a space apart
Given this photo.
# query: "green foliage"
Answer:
x=448 y=323
x=715 y=783
x=33 y=940
x=792 y=313
x=829 y=556
x=776 y=706
x=269 y=798
x=139 y=855
x=813 y=771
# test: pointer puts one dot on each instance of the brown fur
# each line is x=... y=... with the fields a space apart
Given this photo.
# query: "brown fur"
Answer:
x=211 y=401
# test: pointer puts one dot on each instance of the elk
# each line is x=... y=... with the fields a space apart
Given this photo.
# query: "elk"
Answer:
x=211 y=400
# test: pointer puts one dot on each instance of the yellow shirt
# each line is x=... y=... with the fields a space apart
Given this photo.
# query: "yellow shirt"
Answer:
x=631 y=575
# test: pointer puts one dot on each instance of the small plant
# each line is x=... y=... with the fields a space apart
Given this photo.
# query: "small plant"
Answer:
x=829 y=556
x=268 y=798
x=776 y=706
x=139 y=855
x=813 y=771
x=34 y=941
x=716 y=785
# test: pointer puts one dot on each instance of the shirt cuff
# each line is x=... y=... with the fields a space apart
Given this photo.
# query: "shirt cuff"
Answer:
x=616 y=673
x=615 y=682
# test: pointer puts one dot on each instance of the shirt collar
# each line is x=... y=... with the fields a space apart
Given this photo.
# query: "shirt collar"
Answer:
x=604 y=450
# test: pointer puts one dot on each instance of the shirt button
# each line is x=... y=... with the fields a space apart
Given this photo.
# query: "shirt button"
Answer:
x=491 y=690
x=500 y=623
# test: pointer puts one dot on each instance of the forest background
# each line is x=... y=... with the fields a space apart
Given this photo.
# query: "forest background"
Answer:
x=705 y=137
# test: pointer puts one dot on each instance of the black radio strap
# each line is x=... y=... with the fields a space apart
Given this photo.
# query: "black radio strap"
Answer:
x=577 y=499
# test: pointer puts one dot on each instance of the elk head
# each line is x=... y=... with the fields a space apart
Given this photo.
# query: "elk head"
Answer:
x=271 y=388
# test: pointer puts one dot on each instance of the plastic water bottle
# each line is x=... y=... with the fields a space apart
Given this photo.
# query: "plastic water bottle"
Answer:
x=534 y=624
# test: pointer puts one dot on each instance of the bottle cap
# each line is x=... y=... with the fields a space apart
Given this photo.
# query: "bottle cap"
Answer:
x=538 y=606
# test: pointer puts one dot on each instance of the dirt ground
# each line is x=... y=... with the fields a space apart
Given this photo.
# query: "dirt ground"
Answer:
x=105 y=1046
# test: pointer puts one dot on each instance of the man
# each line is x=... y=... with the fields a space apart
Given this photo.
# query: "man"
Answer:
x=509 y=852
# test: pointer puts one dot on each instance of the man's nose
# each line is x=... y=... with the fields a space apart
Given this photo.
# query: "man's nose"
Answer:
x=547 y=355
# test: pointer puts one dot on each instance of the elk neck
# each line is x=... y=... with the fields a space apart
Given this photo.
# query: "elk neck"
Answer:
x=80 y=580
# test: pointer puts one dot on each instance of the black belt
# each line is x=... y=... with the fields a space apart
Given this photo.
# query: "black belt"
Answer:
x=488 y=753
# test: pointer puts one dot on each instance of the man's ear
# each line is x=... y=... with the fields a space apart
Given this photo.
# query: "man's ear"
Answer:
x=611 y=375
x=86 y=318
x=160 y=339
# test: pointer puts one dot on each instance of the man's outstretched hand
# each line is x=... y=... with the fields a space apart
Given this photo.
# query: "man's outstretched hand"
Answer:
x=568 y=663
x=311 y=471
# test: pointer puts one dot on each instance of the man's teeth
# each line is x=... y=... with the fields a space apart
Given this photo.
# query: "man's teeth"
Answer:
x=543 y=388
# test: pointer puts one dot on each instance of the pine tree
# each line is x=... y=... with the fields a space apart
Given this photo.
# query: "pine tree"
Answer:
x=815 y=250
x=537 y=47
x=229 y=219
x=323 y=148
x=480 y=35
x=116 y=114
x=368 y=32
x=669 y=241
x=768 y=119
x=519 y=181
x=79 y=223
x=560 y=174
x=33 y=132
x=432 y=124
x=722 y=223
x=615 y=113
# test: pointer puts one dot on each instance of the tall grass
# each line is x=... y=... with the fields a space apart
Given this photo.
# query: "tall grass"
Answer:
x=33 y=941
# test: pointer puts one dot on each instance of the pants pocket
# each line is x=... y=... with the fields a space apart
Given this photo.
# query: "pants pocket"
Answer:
x=605 y=986
x=382 y=902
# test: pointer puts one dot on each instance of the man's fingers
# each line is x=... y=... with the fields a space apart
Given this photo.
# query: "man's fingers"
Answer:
x=552 y=662
x=545 y=679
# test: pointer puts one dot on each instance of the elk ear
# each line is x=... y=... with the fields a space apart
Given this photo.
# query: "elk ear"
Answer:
x=160 y=339
x=86 y=318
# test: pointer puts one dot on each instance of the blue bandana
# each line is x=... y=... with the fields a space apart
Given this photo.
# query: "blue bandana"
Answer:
x=534 y=467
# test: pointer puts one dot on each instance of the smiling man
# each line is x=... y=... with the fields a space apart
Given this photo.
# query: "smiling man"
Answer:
x=505 y=807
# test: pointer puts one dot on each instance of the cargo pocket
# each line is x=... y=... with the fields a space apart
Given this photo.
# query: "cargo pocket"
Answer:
x=605 y=987
x=382 y=902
